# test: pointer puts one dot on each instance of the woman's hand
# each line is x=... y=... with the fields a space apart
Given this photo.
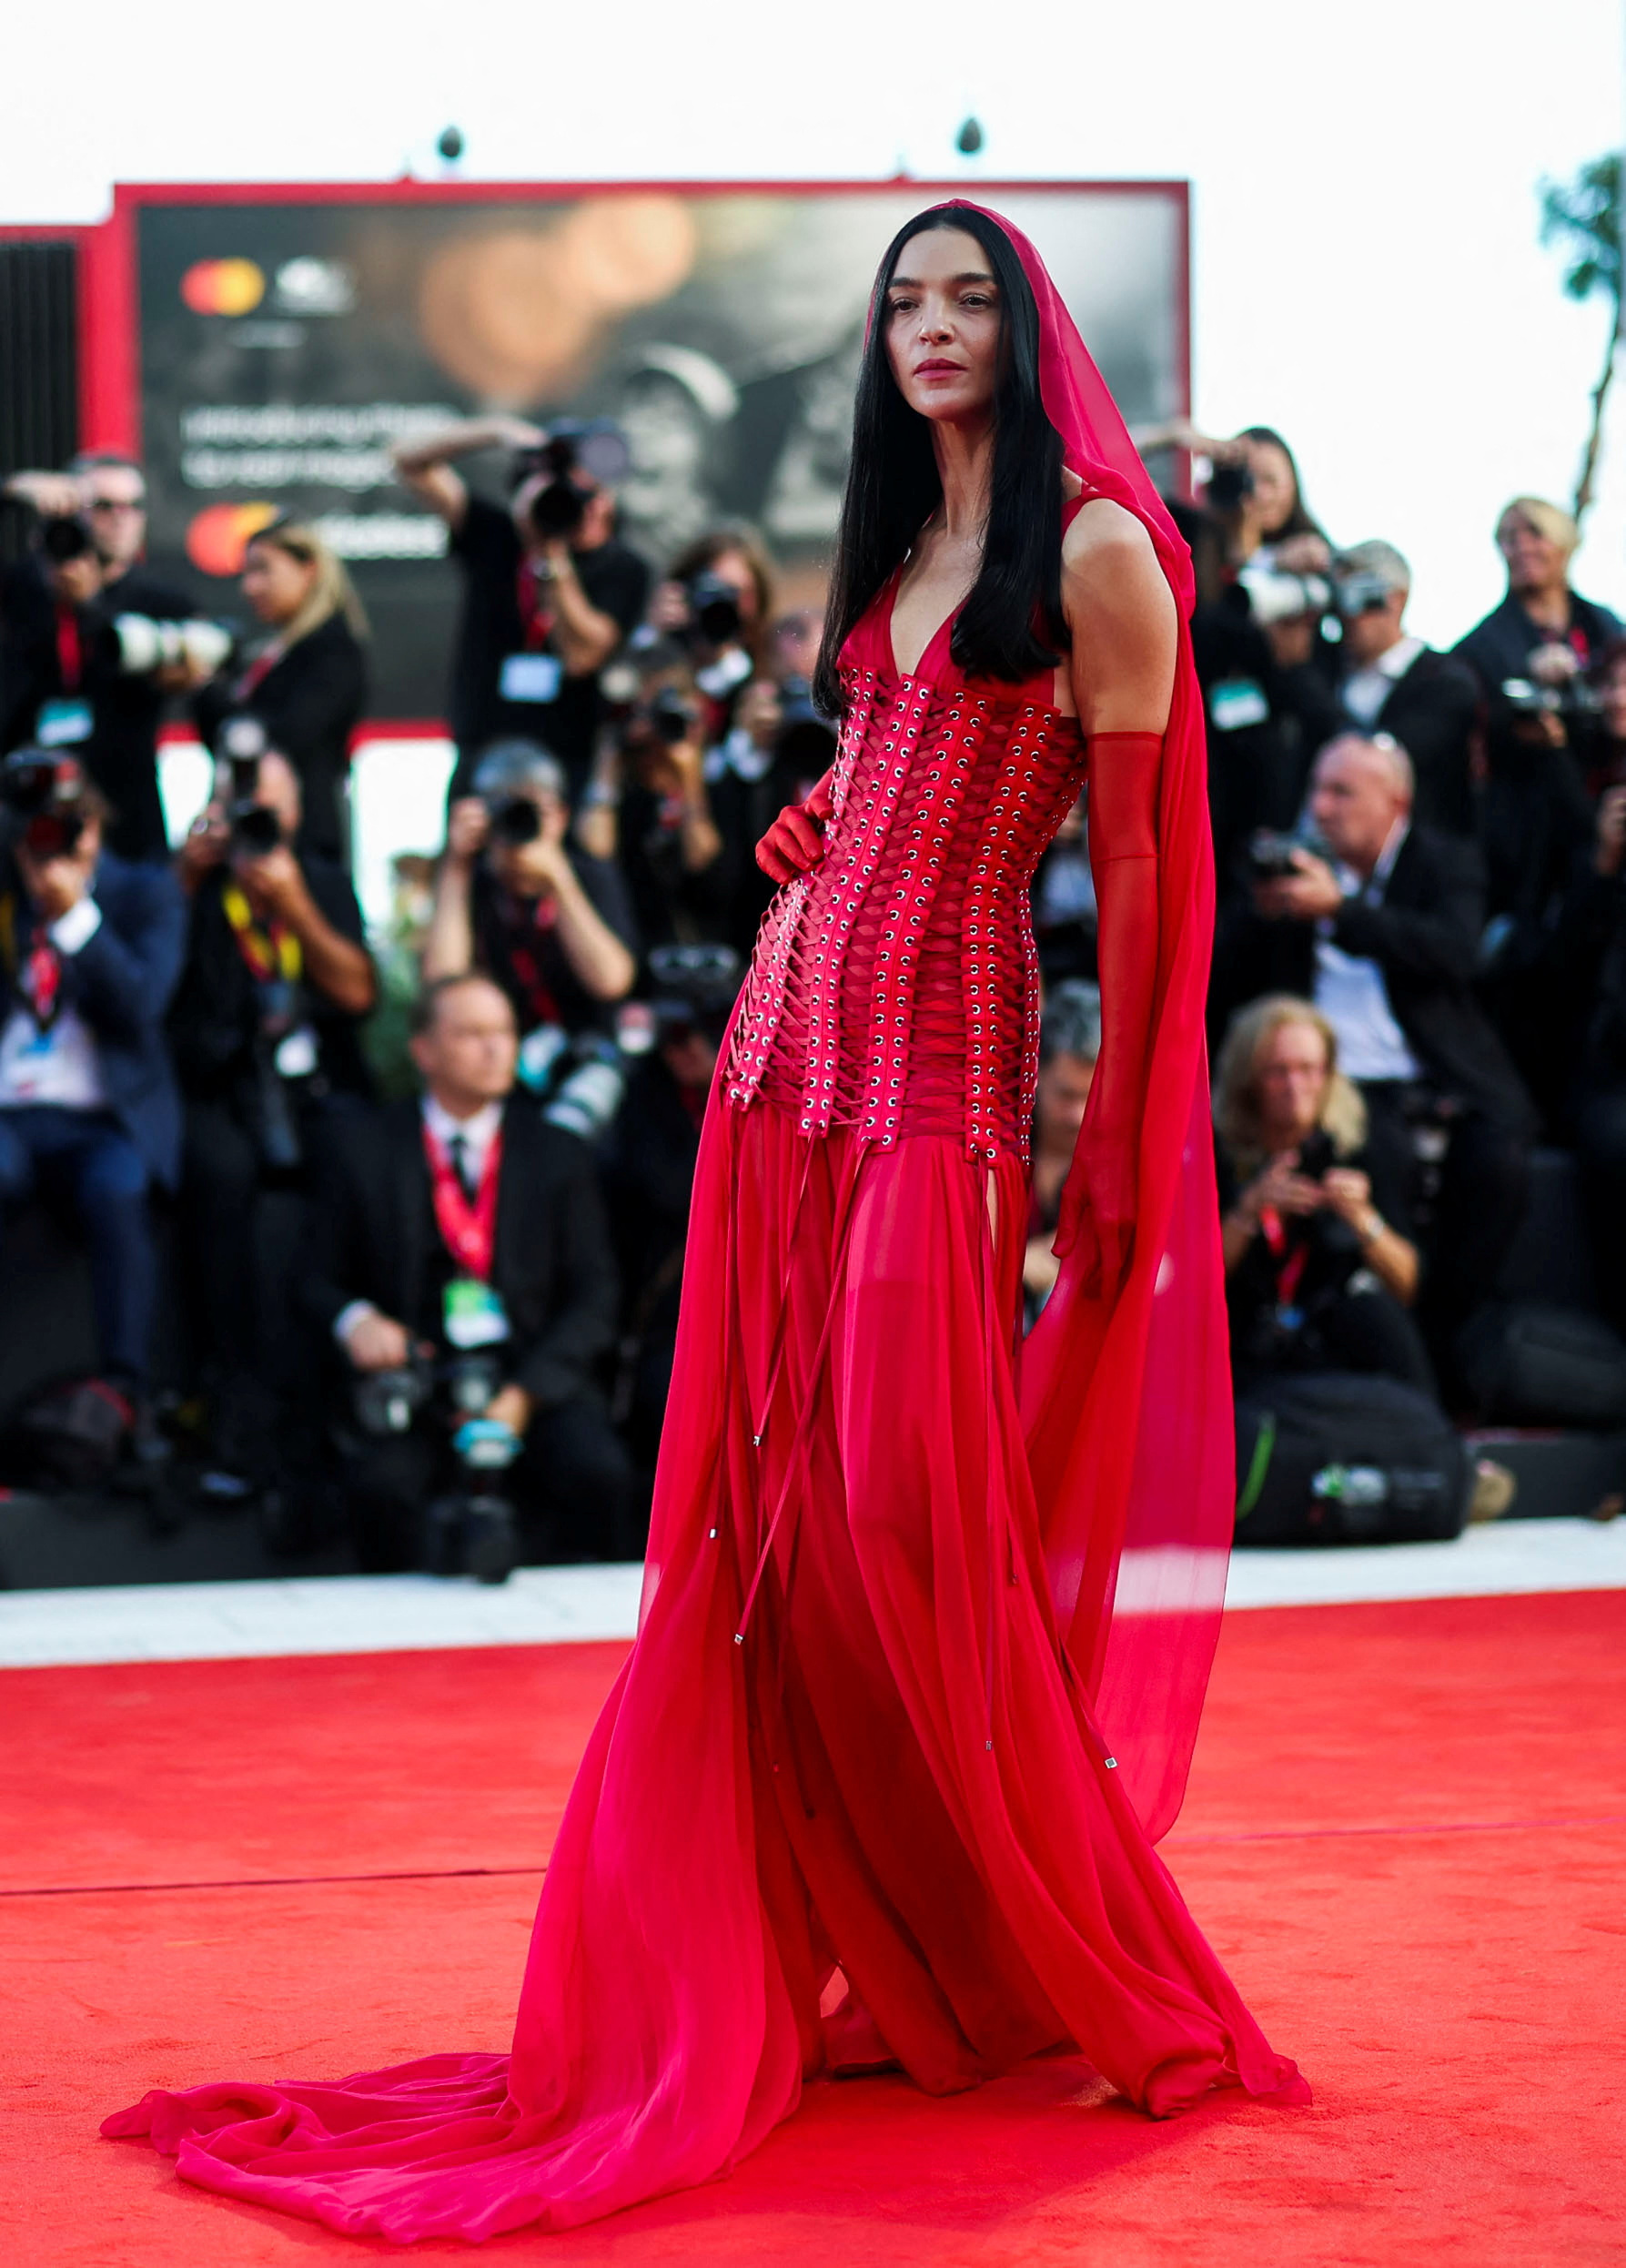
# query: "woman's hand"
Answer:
x=1349 y=1195
x=1282 y=1189
x=795 y=844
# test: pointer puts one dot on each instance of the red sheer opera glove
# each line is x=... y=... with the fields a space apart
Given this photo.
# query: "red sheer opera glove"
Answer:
x=795 y=842
x=1099 y=1198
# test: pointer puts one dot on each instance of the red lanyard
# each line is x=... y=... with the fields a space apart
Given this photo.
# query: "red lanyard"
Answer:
x=1290 y=1266
x=469 y=1231
x=536 y=618
x=70 y=649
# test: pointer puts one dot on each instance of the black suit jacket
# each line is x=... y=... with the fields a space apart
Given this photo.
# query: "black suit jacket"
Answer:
x=310 y=703
x=1424 y=938
x=373 y=1237
x=1432 y=712
x=121 y=983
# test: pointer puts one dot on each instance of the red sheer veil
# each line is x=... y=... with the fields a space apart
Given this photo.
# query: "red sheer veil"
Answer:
x=1126 y=1395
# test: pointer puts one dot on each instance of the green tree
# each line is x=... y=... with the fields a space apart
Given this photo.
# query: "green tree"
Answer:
x=1584 y=216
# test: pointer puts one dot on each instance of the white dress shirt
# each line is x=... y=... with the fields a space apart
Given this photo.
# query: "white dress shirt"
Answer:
x=1365 y=691
x=1349 y=989
x=476 y=1135
x=58 y=1065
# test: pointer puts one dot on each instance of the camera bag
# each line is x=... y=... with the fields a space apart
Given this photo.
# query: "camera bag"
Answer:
x=1342 y=1457
x=1528 y=1364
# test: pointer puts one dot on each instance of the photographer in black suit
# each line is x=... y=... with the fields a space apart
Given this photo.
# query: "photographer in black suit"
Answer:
x=266 y=1034
x=1390 y=681
x=463 y=1232
x=1381 y=934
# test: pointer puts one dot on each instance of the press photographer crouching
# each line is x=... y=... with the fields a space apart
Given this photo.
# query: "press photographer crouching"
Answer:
x=549 y=591
x=266 y=1034
x=90 y=951
x=552 y=925
x=84 y=670
x=460 y=1261
x=1315 y=1207
x=1378 y=925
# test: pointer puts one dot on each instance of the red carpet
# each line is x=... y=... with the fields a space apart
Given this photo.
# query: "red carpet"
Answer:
x=1406 y=1834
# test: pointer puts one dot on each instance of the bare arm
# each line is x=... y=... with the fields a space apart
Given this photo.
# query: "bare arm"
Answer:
x=336 y=964
x=424 y=463
x=449 y=949
x=54 y=495
x=586 y=636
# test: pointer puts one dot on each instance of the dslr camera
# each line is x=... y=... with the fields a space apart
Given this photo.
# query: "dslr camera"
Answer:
x=1574 y=698
x=595 y=448
x=142 y=643
x=42 y=798
x=255 y=829
x=714 y=616
x=1275 y=596
x=1270 y=854
x=472 y=1530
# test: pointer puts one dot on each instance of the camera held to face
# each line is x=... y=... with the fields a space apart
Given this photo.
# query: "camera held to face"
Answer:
x=576 y=459
x=42 y=803
x=255 y=827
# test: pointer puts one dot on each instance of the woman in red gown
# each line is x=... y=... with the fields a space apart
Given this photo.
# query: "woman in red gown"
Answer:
x=926 y=1625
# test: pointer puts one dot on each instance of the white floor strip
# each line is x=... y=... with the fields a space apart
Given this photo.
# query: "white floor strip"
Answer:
x=182 y=1622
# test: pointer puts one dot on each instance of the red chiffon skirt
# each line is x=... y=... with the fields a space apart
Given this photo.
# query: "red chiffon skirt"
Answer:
x=846 y=1801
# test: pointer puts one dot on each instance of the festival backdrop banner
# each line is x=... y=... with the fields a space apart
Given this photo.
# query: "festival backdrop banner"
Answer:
x=286 y=343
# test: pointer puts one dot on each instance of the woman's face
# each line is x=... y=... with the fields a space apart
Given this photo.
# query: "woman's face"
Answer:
x=1275 y=491
x=1612 y=693
x=1535 y=562
x=944 y=327
x=275 y=583
x=1292 y=1076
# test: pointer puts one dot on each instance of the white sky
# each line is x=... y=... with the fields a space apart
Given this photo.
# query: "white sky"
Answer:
x=1366 y=274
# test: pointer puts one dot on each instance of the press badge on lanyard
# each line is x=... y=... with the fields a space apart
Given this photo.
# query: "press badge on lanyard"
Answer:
x=531 y=677
x=64 y=722
x=1236 y=703
x=472 y=1314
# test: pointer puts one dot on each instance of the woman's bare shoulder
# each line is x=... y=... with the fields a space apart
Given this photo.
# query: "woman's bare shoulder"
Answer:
x=1104 y=533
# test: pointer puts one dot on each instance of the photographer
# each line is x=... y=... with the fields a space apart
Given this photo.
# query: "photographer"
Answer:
x=91 y=648
x=1390 y=681
x=1320 y=1265
x=646 y=805
x=1530 y=654
x=1264 y=586
x=1381 y=933
x=717 y=601
x=553 y=927
x=650 y=1171
x=775 y=752
x=265 y=1034
x=549 y=594
x=90 y=951
x=460 y=1241
x=305 y=683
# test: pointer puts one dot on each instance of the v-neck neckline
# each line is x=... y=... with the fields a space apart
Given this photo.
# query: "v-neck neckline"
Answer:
x=930 y=646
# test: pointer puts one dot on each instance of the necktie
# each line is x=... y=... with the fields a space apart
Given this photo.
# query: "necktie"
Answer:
x=456 y=1152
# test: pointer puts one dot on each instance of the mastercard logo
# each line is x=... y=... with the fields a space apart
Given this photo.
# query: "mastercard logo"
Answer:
x=218 y=537
x=223 y=287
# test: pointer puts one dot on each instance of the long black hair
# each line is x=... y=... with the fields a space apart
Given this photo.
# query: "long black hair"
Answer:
x=1011 y=626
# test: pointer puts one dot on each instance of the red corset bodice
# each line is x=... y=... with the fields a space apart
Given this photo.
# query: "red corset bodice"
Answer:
x=894 y=989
